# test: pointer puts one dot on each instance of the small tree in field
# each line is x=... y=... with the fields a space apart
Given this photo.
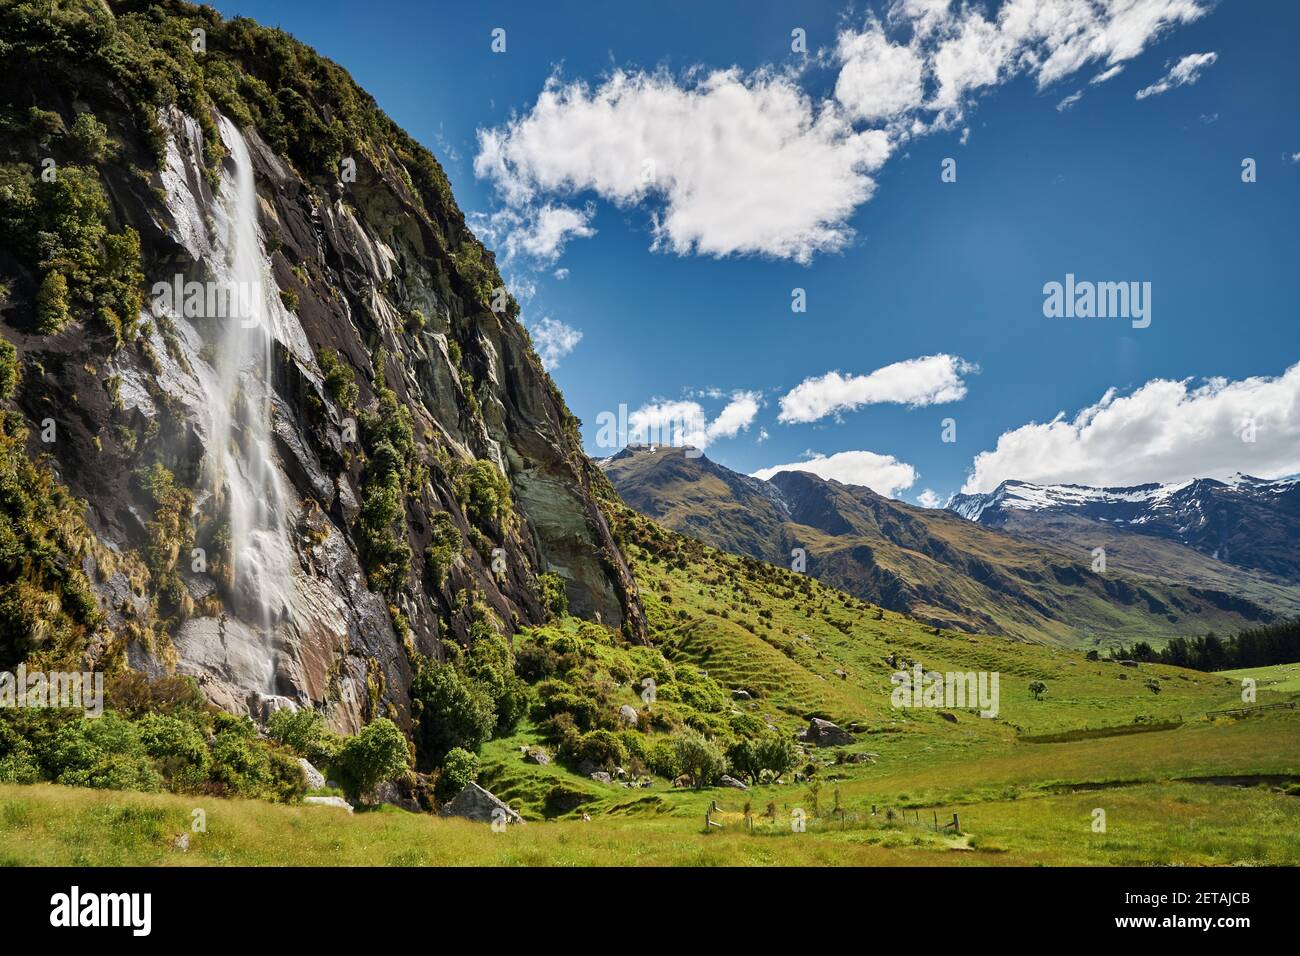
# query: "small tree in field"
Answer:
x=376 y=754
x=1037 y=689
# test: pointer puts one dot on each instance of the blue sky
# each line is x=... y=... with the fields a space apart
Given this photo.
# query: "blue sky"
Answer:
x=1112 y=188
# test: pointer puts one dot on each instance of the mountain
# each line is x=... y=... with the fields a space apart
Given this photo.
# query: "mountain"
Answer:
x=1242 y=522
x=933 y=564
x=263 y=425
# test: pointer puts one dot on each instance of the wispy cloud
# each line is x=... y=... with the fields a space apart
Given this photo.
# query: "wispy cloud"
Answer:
x=553 y=340
x=1069 y=101
x=1183 y=73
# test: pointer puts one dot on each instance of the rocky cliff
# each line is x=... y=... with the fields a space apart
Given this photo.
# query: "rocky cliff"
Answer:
x=294 y=500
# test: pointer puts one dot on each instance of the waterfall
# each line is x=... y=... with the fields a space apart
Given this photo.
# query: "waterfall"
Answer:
x=245 y=480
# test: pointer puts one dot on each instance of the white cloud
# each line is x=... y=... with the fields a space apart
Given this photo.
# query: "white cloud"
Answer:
x=1069 y=101
x=883 y=474
x=1105 y=75
x=930 y=380
x=1185 y=72
x=730 y=157
x=878 y=80
x=538 y=233
x=1165 y=431
x=552 y=340
x=732 y=163
x=561 y=274
x=685 y=422
x=928 y=499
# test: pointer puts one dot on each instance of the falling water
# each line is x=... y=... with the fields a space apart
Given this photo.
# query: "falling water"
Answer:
x=244 y=476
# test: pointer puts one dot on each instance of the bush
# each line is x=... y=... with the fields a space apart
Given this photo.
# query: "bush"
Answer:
x=662 y=758
x=550 y=588
x=459 y=770
x=52 y=312
x=772 y=752
x=91 y=138
x=490 y=663
x=303 y=731
x=242 y=766
x=600 y=747
x=484 y=493
x=451 y=711
x=444 y=547
x=376 y=754
x=180 y=751
x=340 y=380
x=8 y=370
x=104 y=753
x=699 y=757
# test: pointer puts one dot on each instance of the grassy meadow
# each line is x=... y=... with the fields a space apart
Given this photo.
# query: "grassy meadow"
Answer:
x=1184 y=789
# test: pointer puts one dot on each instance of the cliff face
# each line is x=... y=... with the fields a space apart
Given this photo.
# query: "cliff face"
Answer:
x=303 y=508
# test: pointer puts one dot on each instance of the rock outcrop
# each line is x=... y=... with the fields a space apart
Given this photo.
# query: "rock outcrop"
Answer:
x=392 y=339
x=475 y=803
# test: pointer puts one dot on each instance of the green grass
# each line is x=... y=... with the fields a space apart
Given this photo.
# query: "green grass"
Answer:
x=1218 y=791
x=1278 y=679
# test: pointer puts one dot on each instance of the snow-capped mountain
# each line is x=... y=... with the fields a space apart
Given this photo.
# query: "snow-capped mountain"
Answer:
x=1246 y=521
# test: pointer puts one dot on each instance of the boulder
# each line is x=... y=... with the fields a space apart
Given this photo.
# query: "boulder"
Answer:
x=536 y=755
x=627 y=714
x=823 y=733
x=729 y=781
x=601 y=776
x=475 y=803
x=741 y=694
x=315 y=779
x=328 y=802
x=390 y=792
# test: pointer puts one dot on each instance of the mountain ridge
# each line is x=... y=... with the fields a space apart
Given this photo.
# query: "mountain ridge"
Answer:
x=931 y=563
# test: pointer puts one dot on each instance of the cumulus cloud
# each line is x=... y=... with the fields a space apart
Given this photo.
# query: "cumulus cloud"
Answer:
x=930 y=380
x=729 y=156
x=883 y=474
x=1165 y=431
x=928 y=499
x=685 y=422
x=733 y=163
x=553 y=340
x=1183 y=73
x=878 y=80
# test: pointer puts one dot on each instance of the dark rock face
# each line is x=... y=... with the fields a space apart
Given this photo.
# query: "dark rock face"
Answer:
x=352 y=262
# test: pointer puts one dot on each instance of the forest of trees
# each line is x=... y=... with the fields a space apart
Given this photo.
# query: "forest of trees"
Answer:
x=1258 y=647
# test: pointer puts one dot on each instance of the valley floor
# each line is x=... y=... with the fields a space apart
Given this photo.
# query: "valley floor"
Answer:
x=1207 y=793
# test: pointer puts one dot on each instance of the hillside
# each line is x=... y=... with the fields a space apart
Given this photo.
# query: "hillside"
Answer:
x=321 y=461
x=931 y=563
